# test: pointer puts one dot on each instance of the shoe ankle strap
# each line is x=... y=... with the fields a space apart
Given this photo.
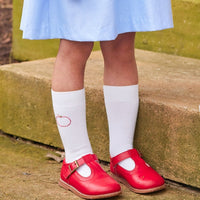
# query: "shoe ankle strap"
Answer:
x=122 y=156
x=72 y=167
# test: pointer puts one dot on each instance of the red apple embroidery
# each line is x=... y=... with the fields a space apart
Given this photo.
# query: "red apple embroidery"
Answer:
x=63 y=121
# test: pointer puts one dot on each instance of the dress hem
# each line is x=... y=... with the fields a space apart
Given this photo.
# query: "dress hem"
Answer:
x=30 y=36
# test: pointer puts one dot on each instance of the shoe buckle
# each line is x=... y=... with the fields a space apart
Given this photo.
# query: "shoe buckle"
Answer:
x=73 y=170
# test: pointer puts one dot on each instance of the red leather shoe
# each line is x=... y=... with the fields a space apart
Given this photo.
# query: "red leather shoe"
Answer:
x=142 y=179
x=98 y=185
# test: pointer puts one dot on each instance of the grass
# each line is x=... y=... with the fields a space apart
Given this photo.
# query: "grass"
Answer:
x=183 y=40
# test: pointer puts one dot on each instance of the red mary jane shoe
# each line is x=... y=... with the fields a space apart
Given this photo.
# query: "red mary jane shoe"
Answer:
x=98 y=185
x=142 y=179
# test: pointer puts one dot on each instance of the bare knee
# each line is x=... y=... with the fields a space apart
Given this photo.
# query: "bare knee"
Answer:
x=119 y=51
x=74 y=52
x=70 y=63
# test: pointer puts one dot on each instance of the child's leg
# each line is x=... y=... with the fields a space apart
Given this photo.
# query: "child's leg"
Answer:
x=80 y=172
x=121 y=99
x=119 y=60
x=121 y=94
x=69 y=99
x=70 y=65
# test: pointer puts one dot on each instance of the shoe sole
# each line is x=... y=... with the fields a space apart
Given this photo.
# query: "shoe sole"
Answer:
x=139 y=191
x=75 y=191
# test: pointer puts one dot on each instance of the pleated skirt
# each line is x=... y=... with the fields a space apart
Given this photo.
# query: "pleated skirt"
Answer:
x=93 y=20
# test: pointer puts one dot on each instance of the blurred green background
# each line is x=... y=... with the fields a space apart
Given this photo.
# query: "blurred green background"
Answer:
x=183 y=39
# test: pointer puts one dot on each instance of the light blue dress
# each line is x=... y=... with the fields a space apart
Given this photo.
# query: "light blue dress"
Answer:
x=93 y=20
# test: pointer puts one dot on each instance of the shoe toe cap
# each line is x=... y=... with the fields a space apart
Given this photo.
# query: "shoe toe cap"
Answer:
x=109 y=185
x=151 y=181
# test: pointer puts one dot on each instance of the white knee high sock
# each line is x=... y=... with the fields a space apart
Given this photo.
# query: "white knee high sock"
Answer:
x=122 y=107
x=70 y=114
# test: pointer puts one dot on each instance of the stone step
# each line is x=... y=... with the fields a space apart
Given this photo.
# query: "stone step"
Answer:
x=168 y=125
x=27 y=181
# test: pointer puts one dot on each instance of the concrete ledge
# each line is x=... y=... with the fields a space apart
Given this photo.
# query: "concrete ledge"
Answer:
x=168 y=125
